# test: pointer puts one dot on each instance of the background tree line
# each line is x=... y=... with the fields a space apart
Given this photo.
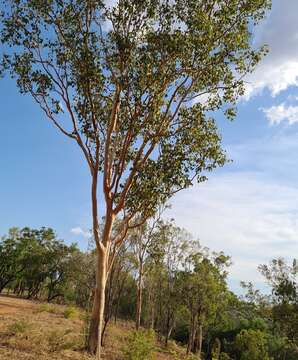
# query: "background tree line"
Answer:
x=164 y=281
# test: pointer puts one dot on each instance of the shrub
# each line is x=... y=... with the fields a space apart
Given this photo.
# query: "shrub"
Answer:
x=70 y=312
x=140 y=345
x=48 y=308
x=224 y=356
x=43 y=308
x=19 y=326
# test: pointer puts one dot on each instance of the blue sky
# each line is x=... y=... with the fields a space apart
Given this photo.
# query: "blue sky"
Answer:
x=249 y=208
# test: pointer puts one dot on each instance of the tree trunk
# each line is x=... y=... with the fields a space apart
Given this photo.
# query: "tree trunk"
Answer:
x=104 y=331
x=168 y=335
x=108 y=304
x=152 y=314
x=200 y=340
x=97 y=315
x=192 y=334
x=139 y=298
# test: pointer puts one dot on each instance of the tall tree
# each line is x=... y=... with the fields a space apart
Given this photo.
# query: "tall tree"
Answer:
x=141 y=240
x=282 y=278
x=168 y=253
x=133 y=86
x=11 y=251
x=203 y=289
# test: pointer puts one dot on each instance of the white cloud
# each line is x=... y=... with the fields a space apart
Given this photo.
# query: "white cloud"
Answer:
x=279 y=69
x=110 y=3
x=79 y=231
x=250 y=218
x=279 y=113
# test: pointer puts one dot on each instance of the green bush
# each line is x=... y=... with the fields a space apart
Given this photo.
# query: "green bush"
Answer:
x=52 y=309
x=43 y=308
x=140 y=345
x=71 y=312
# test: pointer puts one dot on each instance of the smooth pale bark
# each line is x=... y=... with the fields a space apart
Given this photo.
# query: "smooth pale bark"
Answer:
x=102 y=247
x=139 y=298
x=200 y=340
x=169 y=327
x=97 y=315
x=191 y=336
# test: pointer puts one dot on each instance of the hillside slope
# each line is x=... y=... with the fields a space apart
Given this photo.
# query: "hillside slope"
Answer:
x=31 y=331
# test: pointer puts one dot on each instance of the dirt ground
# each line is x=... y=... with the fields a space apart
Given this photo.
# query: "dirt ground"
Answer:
x=37 y=331
x=11 y=305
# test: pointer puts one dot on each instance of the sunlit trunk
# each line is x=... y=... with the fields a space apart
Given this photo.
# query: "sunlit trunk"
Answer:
x=102 y=244
x=139 y=298
x=200 y=340
x=169 y=328
x=97 y=315
x=191 y=336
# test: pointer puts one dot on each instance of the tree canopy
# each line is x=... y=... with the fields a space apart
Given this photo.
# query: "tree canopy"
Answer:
x=137 y=82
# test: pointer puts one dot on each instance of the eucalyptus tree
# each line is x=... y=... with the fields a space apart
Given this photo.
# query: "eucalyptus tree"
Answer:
x=118 y=277
x=170 y=249
x=252 y=345
x=133 y=85
x=141 y=240
x=203 y=289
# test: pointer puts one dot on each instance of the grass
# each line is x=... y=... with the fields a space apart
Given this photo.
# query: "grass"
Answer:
x=30 y=331
x=50 y=308
x=19 y=326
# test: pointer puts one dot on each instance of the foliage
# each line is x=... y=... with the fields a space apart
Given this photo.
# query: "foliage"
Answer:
x=71 y=312
x=252 y=345
x=137 y=97
x=283 y=280
x=140 y=345
x=185 y=296
x=141 y=78
x=34 y=262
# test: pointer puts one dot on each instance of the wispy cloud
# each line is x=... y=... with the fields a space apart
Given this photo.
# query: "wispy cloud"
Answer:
x=279 y=70
x=250 y=209
x=281 y=113
x=79 y=231
x=248 y=217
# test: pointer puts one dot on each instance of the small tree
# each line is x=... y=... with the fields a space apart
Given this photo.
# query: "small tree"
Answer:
x=132 y=85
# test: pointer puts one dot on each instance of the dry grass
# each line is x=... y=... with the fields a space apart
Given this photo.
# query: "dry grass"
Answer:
x=34 y=331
